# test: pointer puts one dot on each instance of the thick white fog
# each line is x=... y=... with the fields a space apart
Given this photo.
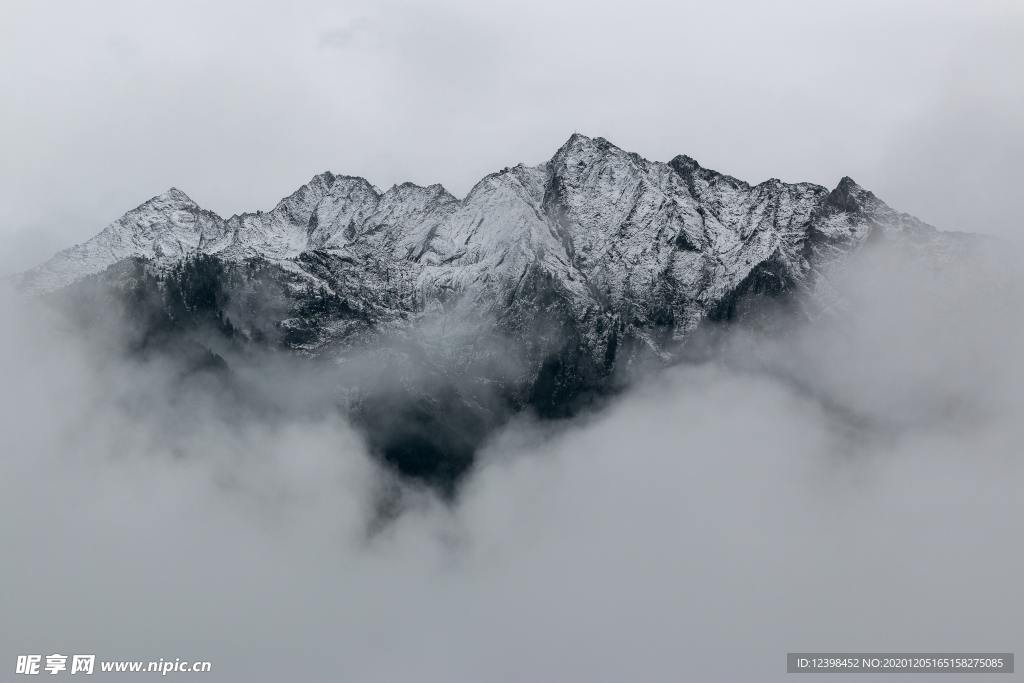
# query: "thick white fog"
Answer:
x=852 y=486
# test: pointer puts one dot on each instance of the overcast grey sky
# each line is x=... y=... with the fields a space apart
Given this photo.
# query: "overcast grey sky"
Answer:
x=238 y=103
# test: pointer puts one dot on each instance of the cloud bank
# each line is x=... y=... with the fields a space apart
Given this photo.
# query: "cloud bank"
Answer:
x=848 y=484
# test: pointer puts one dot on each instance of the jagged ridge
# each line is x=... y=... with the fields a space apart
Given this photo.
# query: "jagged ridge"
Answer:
x=575 y=268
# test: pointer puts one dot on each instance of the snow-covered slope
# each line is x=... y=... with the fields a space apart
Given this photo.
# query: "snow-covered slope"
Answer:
x=164 y=229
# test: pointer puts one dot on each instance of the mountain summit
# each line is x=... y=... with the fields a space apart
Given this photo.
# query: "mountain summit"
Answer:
x=595 y=217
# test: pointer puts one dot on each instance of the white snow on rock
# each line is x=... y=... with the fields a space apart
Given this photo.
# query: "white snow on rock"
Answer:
x=652 y=240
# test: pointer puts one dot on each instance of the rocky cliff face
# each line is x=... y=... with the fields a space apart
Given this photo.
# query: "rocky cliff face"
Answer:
x=536 y=289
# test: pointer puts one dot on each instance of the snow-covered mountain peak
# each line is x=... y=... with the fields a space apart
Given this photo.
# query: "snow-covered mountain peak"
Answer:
x=685 y=164
x=574 y=141
x=171 y=199
x=850 y=197
x=173 y=196
x=580 y=151
x=596 y=217
x=164 y=229
x=300 y=204
x=412 y=191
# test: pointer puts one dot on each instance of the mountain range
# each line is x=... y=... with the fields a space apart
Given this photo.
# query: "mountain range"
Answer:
x=538 y=290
